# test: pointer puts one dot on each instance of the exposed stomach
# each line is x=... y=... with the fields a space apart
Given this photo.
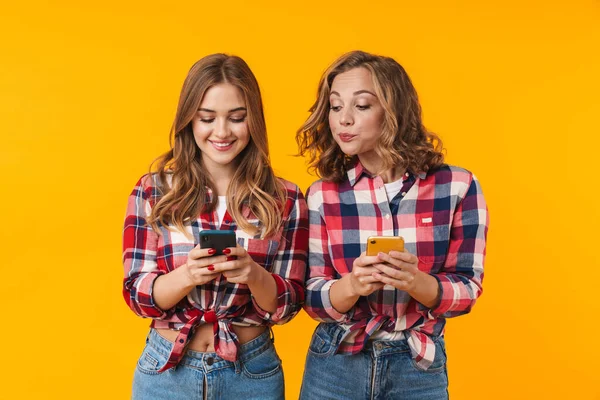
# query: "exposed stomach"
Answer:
x=204 y=340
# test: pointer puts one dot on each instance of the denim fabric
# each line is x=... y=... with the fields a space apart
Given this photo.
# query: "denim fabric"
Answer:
x=256 y=375
x=382 y=370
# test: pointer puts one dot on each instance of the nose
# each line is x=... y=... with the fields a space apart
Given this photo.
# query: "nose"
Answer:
x=220 y=131
x=346 y=117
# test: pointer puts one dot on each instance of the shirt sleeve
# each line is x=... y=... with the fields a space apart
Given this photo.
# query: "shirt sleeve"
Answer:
x=289 y=266
x=321 y=272
x=461 y=277
x=139 y=254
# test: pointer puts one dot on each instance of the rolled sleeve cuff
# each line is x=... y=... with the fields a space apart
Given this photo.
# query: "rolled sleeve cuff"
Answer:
x=288 y=303
x=328 y=307
x=445 y=299
x=144 y=298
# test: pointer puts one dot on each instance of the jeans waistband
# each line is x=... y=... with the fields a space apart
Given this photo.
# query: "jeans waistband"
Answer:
x=210 y=360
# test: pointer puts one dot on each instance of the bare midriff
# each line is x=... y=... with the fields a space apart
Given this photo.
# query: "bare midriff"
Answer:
x=203 y=339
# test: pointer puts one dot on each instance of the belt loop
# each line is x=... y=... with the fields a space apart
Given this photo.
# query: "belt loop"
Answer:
x=238 y=367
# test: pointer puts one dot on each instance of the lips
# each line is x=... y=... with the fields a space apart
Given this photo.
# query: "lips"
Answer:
x=346 y=137
x=222 y=146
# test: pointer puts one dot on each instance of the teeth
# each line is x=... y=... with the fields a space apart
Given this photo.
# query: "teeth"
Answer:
x=221 y=144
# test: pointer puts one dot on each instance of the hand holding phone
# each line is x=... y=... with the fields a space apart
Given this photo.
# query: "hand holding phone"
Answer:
x=200 y=265
x=239 y=266
x=218 y=240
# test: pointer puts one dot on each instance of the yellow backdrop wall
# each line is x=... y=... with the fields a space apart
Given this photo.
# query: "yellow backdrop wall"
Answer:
x=87 y=96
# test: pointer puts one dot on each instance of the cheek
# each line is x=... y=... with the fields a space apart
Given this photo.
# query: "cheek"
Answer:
x=241 y=131
x=200 y=130
x=331 y=121
x=374 y=124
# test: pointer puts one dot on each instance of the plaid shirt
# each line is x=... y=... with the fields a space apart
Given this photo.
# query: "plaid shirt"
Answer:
x=148 y=255
x=443 y=219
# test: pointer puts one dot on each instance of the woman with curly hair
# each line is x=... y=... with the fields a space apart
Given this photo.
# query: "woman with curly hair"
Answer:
x=211 y=313
x=383 y=174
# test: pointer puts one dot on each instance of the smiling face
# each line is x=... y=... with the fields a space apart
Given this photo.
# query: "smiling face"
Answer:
x=356 y=116
x=220 y=127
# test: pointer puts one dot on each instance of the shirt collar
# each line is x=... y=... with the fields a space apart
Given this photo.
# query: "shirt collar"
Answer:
x=356 y=172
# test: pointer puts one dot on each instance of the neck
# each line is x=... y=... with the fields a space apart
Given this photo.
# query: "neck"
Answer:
x=221 y=176
x=373 y=165
x=391 y=175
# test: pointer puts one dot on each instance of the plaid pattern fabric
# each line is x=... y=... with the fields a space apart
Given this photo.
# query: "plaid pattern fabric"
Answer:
x=443 y=219
x=147 y=255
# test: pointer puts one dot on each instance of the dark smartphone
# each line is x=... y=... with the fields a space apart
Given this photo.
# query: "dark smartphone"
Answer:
x=218 y=240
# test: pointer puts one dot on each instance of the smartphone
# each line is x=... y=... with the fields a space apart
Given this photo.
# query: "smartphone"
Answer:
x=384 y=244
x=218 y=240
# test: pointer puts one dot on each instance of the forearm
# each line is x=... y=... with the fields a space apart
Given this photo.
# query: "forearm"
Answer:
x=342 y=296
x=264 y=290
x=426 y=290
x=170 y=288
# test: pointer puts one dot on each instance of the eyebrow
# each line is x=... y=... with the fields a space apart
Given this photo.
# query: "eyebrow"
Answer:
x=230 y=111
x=355 y=93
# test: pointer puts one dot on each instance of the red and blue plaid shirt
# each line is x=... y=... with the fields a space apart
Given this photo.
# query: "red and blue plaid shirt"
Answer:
x=443 y=219
x=148 y=254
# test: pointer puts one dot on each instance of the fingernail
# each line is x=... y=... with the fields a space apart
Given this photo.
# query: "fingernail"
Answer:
x=211 y=251
x=226 y=251
x=211 y=267
x=231 y=258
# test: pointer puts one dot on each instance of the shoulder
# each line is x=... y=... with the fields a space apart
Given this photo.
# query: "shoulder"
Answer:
x=292 y=191
x=318 y=188
x=149 y=186
x=448 y=172
x=457 y=179
x=289 y=186
x=322 y=192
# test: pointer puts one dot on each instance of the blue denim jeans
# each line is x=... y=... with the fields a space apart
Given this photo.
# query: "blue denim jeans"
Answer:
x=256 y=375
x=382 y=370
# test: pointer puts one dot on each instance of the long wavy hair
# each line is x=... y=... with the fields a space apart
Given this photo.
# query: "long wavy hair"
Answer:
x=404 y=141
x=182 y=179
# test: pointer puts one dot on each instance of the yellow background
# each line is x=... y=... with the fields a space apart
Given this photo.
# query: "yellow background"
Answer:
x=87 y=96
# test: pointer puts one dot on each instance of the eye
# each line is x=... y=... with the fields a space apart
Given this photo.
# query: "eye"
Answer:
x=335 y=108
x=362 y=108
x=207 y=120
x=237 y=120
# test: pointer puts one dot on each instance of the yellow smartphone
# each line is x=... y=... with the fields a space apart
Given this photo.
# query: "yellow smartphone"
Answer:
x=384 y=244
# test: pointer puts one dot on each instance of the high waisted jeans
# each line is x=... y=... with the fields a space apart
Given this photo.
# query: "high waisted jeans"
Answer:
x=382 y=370
x=256 y=375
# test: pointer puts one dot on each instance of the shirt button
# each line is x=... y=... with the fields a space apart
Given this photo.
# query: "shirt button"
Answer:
x=407 y=174
x=227 y=221
x=387 y=216
x=403 y=193
x=210 y=361
x=181 y=340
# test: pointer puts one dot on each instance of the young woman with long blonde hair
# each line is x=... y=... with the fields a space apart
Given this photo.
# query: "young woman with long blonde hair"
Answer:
x=210 y=335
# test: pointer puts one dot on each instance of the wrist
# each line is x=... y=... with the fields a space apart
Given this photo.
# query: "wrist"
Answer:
x=184 y=279
x=257 y=276
x=347 y=286
x=425 y=289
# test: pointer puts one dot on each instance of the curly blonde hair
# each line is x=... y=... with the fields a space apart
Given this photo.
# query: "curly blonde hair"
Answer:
x=404 y=141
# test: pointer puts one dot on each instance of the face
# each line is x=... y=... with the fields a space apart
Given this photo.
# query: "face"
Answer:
x=220 y=126
x=356 y=116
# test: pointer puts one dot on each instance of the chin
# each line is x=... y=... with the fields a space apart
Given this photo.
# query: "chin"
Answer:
x=348 y=150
